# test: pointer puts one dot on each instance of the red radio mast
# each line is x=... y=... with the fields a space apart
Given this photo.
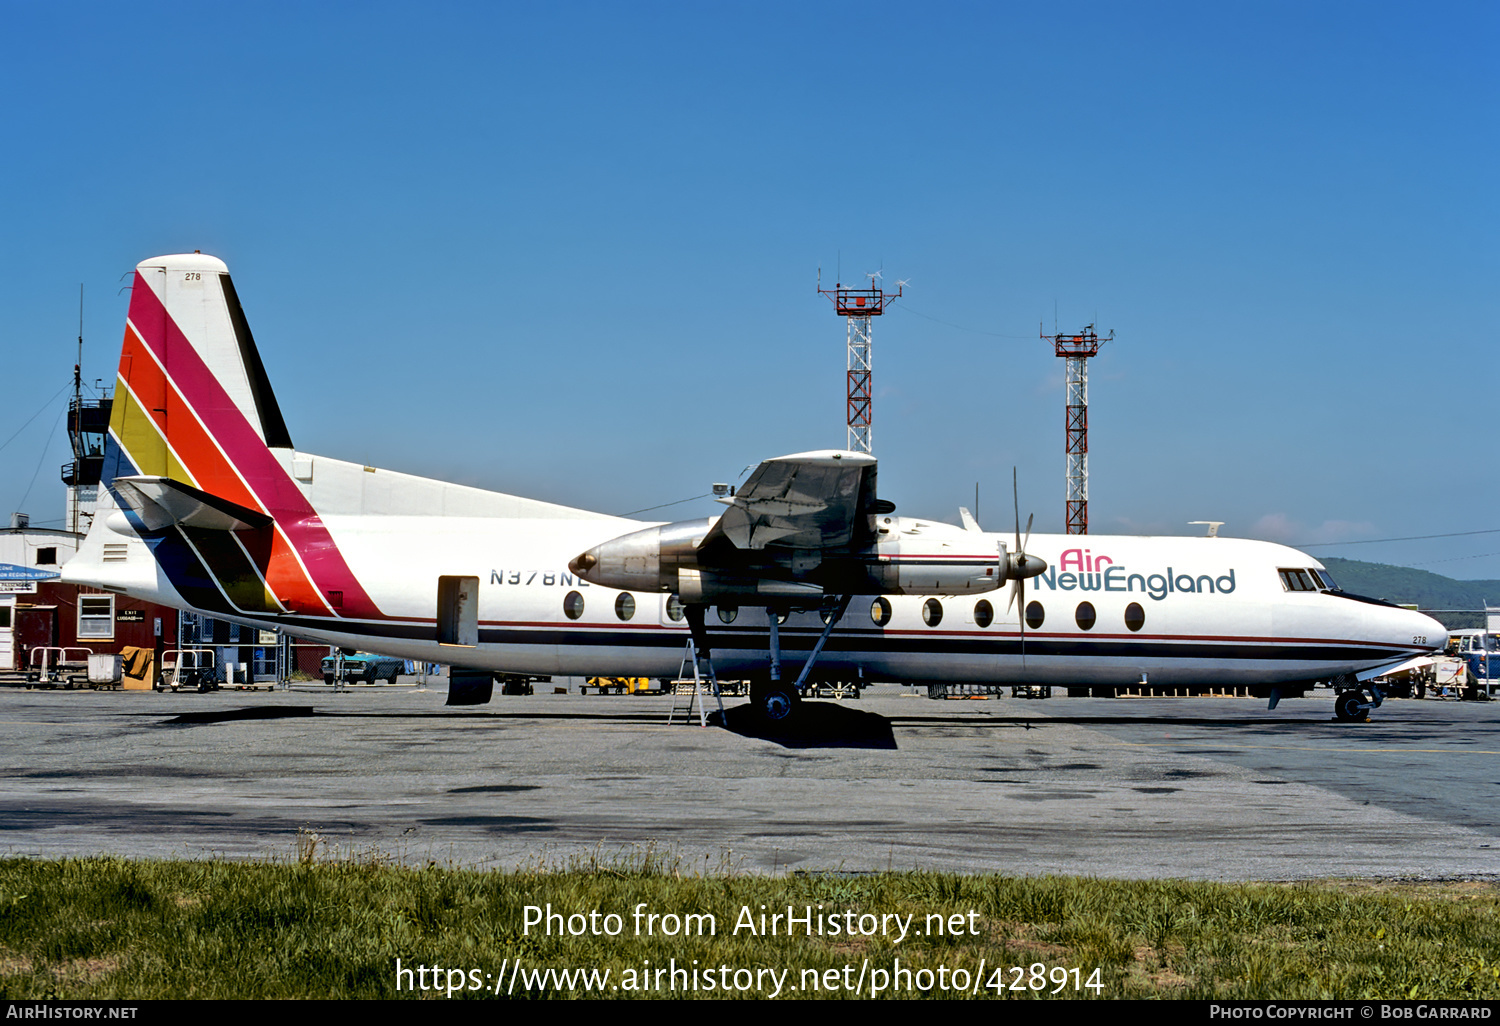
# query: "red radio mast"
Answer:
x=858 y=306
x=1077 y=349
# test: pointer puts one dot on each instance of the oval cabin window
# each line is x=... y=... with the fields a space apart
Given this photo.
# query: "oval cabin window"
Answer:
x=1035 y=615
x=1085 y=616
x=984 y=613
x=932 y=612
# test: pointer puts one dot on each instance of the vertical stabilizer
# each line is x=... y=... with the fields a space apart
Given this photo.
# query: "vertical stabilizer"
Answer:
x=189 y=458
x=186 y=329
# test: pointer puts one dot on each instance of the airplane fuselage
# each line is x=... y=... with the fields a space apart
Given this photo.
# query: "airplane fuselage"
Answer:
x=1110 y=610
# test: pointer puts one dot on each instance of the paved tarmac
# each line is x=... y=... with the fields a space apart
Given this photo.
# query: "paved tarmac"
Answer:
x=1202 y=788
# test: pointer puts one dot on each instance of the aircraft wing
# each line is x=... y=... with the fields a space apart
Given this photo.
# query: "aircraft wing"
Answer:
x=811 y=500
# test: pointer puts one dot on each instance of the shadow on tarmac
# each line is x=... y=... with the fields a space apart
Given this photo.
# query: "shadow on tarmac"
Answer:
x=254 y=712
x=816 y=725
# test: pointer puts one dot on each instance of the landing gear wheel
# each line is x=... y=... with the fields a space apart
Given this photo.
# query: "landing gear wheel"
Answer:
x=1349 y=706
x=774 y=701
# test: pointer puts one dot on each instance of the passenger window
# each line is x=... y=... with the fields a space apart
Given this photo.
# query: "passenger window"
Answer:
x=880 y=612
x=1135 y=616
x=625 y=605
x=1035 y=615
x=1085 y=616
x=728 y=613
x=573 y=605
x=984 y=613
x=674 y=607
x=932 y=612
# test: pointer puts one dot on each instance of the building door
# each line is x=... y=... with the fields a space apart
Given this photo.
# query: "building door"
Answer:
x=7 y=635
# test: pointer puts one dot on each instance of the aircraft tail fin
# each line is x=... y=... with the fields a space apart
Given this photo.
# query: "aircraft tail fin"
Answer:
x=200 y=467
x=191 y=457
x=192 y=399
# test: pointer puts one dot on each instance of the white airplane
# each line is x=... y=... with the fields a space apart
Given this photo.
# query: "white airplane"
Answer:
x=209 y=507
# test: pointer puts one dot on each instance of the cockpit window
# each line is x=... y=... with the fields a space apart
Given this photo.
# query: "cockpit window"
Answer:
x=1311 y=579
x=1296 y=580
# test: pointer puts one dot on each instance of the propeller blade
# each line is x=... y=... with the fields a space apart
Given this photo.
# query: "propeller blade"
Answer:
x=1018 y=565
x=1022 y=582
x=1015 y=497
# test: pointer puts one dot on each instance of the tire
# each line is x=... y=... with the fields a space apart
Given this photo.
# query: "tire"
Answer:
x=775 y=702
x=1347 y=706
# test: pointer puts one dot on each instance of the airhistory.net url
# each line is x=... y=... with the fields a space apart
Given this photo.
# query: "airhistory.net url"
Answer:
x=861 y=979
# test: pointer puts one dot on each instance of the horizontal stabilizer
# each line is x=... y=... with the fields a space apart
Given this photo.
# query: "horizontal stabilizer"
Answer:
x=161 y=502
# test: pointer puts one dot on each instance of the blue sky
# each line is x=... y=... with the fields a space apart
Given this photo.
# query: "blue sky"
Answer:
x=570 y=250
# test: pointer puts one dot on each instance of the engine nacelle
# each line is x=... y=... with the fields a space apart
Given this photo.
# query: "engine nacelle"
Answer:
x=919 y=557
x=645 y=560
x=909 y=557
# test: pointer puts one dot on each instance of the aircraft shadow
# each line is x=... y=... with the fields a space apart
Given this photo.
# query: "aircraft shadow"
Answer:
x=816 y=725
x=254 y=712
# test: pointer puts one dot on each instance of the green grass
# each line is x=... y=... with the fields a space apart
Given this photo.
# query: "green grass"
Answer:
x=111 y=928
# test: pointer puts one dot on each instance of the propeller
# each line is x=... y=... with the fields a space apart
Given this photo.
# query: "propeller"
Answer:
x=1020 y=565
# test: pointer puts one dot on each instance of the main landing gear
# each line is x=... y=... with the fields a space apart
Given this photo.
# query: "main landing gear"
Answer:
x=770 y=696
x=1354 y=705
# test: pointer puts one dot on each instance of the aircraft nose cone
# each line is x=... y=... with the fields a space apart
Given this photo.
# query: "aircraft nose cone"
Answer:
x=1417 y=630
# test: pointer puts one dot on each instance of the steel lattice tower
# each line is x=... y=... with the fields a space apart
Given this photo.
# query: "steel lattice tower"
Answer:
x=858 y=306
x=1077 y=349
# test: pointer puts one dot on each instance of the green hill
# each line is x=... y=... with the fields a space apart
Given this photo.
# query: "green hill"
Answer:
x=1430 y=591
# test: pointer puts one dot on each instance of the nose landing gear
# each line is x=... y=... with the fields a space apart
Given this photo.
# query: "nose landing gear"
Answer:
x=1354 y=705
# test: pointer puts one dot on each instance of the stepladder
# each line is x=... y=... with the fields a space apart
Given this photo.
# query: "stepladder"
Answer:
x=705 y=686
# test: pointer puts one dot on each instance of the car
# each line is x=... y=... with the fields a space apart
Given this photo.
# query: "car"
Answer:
x=362 y=668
